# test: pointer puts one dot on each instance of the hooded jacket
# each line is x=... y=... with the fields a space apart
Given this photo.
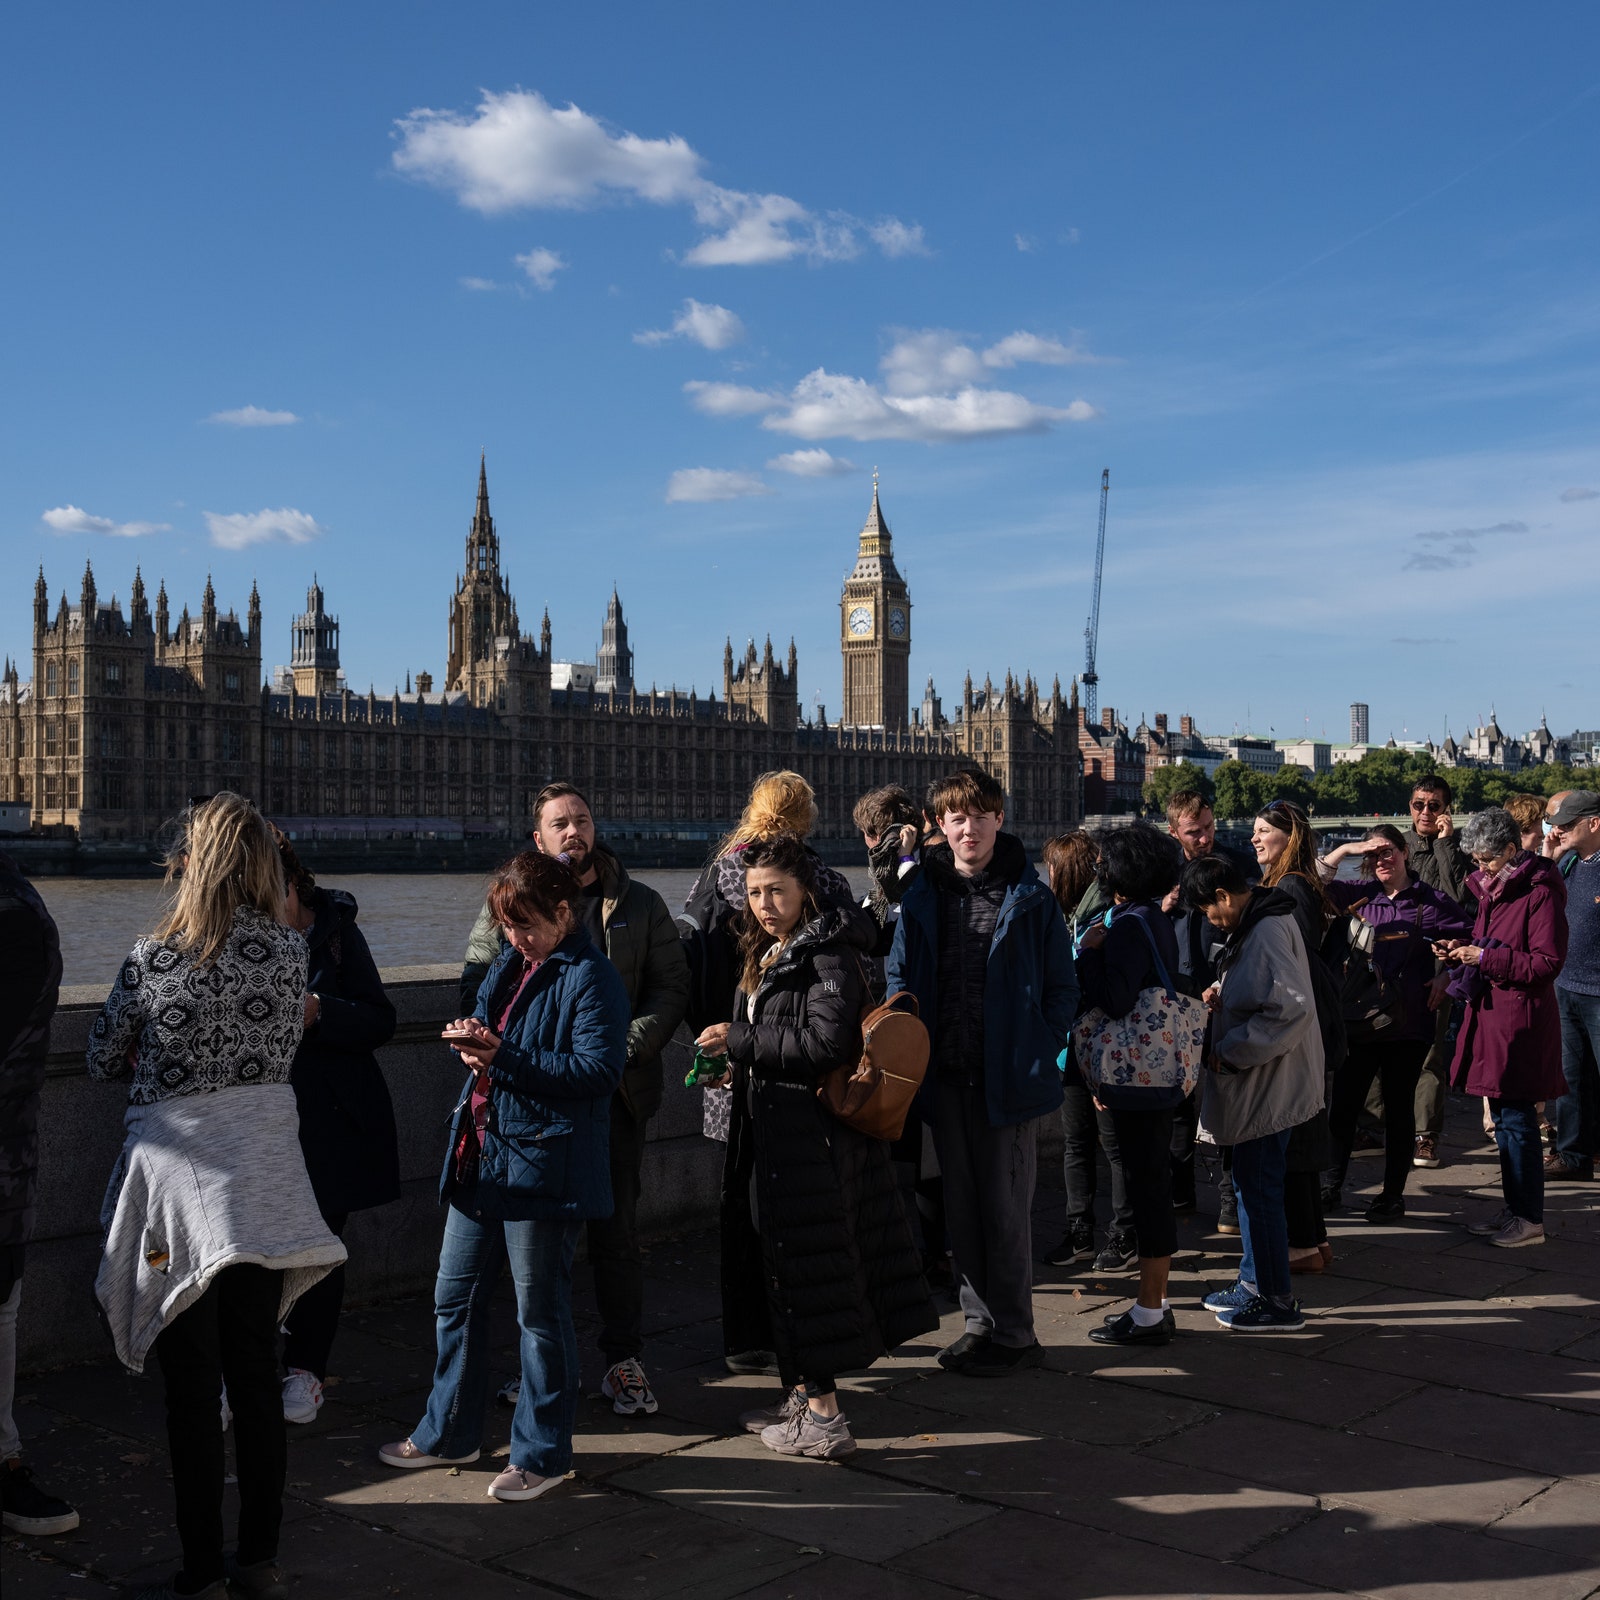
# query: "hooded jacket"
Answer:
x=826 y=1271
x=347 y=1128
x=641 y=942
x=1030 y=988
x=1264 y=1072
x=1441 y=863
x=1509 y=1043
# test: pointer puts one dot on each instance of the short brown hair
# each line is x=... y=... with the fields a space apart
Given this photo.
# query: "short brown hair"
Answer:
x=1527 y=810
x=1069 y=862
x=558 y=791
x=967 y=789
x=532 y=885
x=1185 y=803
x=882 y=809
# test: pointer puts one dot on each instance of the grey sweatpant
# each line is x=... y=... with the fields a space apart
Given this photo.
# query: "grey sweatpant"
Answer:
x=989 y=1177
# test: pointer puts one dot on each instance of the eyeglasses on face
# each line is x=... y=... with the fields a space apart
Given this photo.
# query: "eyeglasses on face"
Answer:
x=1427 y=805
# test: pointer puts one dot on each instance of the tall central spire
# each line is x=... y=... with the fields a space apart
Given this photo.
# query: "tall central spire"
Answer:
x=483 y=548
x=875 y=551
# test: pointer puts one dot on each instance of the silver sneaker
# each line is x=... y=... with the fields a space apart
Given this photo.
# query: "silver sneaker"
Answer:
x=628 y=1390
x=807 y=1434
x=1518 y=1232
x=773 y=1416
x=1484 y=1226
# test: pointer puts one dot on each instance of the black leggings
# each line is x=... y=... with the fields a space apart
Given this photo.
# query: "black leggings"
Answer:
x=1397 y=1067
x=314 y=1318
x=229 y=1335
x=1145 y=1141
x=1302 y=1210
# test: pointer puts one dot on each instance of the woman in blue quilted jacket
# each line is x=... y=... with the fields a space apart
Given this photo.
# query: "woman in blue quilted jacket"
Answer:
x=528 y=1163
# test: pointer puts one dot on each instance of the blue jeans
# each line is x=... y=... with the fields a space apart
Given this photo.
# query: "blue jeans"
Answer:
x=1577 y=1112
x=470 y=1260
x=1516 y=1131
x=1263 y=1229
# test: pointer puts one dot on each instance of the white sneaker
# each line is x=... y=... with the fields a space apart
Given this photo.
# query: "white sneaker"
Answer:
x=509 y=1392
x=516 y=1484
x=628 y=1390
x=302 y=1396
x=786 y=1410
x=402 y=1453
x=1518 y=1232
x=1484 y=1226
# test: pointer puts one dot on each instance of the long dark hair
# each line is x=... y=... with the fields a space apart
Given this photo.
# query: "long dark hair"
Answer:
x=786 y=853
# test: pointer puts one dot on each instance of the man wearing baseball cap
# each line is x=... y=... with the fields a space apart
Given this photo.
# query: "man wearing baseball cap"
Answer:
x=1574 y=822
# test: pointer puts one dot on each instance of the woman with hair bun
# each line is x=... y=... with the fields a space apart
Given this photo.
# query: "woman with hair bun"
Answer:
x=205 y=1019
x=528 y=1163
x=818 y=1260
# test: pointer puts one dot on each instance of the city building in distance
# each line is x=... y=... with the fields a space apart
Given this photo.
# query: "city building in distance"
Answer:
x=128 y=714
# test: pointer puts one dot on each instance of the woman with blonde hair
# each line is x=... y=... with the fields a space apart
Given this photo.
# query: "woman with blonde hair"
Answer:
x=213 y=1231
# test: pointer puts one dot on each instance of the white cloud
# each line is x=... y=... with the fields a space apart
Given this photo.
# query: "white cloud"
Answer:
x=518 y=152
x=935 y=360
x=74 y=519
x=1026 y=243
x=1568 y=496
x=817 y=463
x=1019 y=346
x=241 y=529
x=541 y=265
x=480 y=285
x=729 y=399
x=896 y=238
x=253 y=417
x=712 y=483
x=710 y=327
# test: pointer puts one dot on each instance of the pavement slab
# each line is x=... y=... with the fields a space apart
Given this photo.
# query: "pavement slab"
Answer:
x=1565 y=1518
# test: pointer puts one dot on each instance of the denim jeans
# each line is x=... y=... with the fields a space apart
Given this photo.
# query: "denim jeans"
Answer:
x=470 y=1260
x=1516 y=1131
x=10 y=1440
x=1258 y=1166
x=1577 y=1112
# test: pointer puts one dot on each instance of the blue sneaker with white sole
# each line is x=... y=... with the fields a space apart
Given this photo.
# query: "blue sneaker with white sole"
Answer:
x=1262 y=1316
x=1234 y=1299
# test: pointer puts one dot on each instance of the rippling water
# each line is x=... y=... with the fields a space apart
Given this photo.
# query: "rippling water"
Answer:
x=410 y=919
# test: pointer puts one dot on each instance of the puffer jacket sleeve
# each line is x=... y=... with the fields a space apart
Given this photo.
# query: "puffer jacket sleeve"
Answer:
x=597 y=1042
x=361 y=1016
x=664 y=993
x=828 y=1036
x=1547 y=943
x=484 y=945
x=116 y=1030
x=1266 y=997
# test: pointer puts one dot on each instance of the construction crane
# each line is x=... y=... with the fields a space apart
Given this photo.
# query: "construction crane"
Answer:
x=1091 y=634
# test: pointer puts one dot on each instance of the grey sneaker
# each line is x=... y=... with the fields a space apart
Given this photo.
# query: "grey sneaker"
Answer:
x=807 y=1434
x=773 y=1416
x=1518 y=1232
x=1484 y=1226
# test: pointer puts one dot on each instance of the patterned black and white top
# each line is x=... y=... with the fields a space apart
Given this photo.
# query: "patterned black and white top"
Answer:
x=190 y=1028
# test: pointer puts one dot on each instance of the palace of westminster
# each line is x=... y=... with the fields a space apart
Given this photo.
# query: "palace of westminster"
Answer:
x=127 y=716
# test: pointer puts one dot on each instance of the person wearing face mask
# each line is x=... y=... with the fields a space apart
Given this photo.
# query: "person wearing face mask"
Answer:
x=527 y=1164
x=1408 y=917
x=1508 y=1048
x=819 y=1263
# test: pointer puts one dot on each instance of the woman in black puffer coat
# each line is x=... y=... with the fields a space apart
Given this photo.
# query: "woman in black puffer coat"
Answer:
x=818 y=1260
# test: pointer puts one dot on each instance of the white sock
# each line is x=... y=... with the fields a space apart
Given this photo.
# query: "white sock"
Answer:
x=1146 y=1316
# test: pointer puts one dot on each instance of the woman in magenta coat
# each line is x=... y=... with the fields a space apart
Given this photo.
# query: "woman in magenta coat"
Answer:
x=1509 y=1046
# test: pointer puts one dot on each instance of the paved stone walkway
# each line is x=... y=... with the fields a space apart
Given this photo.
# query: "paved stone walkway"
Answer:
x=1434 y=1433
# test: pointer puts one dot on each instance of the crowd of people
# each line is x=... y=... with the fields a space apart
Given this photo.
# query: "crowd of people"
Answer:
x=1177 y=1004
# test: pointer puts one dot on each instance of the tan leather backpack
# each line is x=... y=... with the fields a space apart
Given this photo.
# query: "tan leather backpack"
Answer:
x=875 y=1094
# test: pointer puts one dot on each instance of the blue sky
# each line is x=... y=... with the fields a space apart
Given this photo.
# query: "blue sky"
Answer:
x=1317 y=285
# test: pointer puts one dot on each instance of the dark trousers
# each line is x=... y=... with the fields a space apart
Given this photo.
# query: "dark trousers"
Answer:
x=1185 y=1131
x=1576 y=1114
x=1258 y=1168
x=314 y=1318
x=229 y=1335
x=1396 y=1067
x=1145 y=1140
x=1082 y=1128
x=614 y=1243
x=1302 y=1210
x=1516 y=1131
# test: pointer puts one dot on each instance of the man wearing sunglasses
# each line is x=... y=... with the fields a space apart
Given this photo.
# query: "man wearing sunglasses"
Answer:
x=1434 y=854
x=1574 y=822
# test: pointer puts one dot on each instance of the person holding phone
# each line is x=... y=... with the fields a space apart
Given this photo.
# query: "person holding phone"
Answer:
x=527 y=1165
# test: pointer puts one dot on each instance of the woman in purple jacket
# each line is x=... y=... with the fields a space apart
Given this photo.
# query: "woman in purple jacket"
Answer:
x=1407 y=917
x=1509 y=1046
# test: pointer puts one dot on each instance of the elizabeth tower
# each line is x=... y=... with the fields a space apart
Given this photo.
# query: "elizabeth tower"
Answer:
x=875 y=631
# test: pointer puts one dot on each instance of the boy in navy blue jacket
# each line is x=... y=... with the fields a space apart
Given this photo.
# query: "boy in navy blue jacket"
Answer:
x=982 y=945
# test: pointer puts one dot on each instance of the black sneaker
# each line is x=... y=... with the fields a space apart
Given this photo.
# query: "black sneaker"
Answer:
x=954 y=1357
x=1228 y=1213
x=260 y=1580
x=993 y=1360
x=27 y=1508
x=1332 y=1198
x=1077 y=1244
x=1120 y=1252
x=1382 y=1210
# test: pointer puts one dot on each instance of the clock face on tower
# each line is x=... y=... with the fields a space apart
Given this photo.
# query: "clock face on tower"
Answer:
x=861 y=621
x=897 y=622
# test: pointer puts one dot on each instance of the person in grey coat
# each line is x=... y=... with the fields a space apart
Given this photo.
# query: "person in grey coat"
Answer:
x=1263 y=1076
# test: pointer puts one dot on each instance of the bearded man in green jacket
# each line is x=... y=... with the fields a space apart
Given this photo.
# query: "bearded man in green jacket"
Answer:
x=632 y=925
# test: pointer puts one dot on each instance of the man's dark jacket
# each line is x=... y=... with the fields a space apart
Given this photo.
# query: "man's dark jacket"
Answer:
x=1441 y=864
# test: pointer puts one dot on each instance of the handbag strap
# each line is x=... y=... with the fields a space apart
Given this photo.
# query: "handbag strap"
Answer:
x=1155 y=955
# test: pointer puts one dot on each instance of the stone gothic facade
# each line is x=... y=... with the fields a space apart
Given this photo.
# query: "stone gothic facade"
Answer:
x=127 y=715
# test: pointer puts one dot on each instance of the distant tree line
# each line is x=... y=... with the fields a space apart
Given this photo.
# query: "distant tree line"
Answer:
x=1381 y=782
